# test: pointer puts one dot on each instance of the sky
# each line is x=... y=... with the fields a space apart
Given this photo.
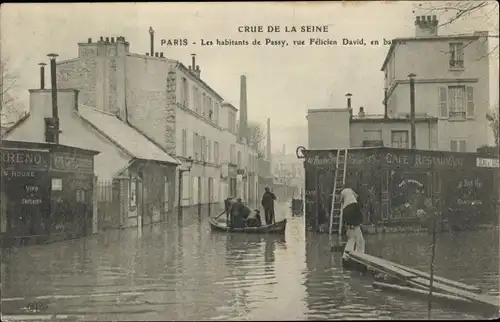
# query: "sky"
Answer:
x=282 y=83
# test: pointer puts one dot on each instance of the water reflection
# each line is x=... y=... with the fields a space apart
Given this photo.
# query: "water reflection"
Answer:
x=181 y=270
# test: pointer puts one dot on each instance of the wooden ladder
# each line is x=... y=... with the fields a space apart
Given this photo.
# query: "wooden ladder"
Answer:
x=338 y=185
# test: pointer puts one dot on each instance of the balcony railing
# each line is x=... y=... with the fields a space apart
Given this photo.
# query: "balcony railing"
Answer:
x=456 y=64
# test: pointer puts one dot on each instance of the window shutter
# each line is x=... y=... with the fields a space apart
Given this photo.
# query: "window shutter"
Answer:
x=443 y=104
x=463 y=148
x=470 y=101
x=453 y=146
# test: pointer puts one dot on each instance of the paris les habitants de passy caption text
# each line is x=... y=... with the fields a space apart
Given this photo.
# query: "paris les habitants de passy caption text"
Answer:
x=270 y=38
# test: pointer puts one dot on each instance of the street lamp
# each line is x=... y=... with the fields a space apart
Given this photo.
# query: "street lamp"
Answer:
x=189 y=164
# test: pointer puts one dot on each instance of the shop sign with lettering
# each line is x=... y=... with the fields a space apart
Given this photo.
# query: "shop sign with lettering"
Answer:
x=69 y=162
x=487 y=163
x=24 y=159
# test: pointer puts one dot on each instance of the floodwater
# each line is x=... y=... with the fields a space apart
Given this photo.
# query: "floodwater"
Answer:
x=183 y=271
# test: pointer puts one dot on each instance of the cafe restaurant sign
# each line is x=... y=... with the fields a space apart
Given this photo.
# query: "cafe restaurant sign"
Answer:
x=68 y=162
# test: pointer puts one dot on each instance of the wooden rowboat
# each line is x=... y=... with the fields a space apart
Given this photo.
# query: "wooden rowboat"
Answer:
x=276 y=228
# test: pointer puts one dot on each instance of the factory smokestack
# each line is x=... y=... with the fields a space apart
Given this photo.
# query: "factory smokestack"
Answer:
x=42 y=75
x=268 y=145
x=152 y=41
x=243 y=133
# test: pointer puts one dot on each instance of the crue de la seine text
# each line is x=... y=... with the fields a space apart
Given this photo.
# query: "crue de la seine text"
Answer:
x=302 y=28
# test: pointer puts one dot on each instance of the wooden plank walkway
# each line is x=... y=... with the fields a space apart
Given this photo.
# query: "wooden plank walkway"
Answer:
x=421 y=280
x=366 y=257
x=411 y=290
x=443 y=280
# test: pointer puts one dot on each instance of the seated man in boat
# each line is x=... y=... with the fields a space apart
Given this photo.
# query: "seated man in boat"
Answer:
x=254 y=219
x=353 y=218
x=237 y=214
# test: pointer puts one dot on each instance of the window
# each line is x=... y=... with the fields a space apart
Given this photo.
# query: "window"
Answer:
x=209 y=151
x=232 y=155
x=216 y=152
x=186 y=185
x=195 y=146
x=56 y=184
x=231 y=122
x=203 y=148
x=165 y=193
x=456 y=56
x=458 y=145
x=196 y=99
x=239 y=159
x=456 y=102
x=184 y=143
x=132 y=193
x=216 y=113
x=399 y=139
x=210 y=108
x=203 y=103
x=185 y=92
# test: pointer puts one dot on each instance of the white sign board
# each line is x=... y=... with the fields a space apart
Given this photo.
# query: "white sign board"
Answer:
x=487 y=163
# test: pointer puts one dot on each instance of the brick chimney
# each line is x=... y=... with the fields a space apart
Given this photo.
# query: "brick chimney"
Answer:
x=426 y=26
x=243 y=130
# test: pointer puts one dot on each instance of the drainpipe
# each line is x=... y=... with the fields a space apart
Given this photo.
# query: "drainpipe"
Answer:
x=412 y=111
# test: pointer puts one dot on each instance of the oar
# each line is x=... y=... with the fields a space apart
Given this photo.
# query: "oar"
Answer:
x=220 y=215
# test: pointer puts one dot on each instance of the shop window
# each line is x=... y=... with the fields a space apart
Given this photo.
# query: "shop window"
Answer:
x=80 y=196
x=385 y=181
x=165 y=193
x=56 y=184
x=385 y=211
x=436 y=182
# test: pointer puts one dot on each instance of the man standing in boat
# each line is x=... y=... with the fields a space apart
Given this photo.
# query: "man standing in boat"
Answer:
x=268 y=205
x=352 y=217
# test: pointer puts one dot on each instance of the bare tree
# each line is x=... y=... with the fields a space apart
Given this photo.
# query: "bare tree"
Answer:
x=493 y=117
x=450 y=12
x=10 y=109
x=256 y=136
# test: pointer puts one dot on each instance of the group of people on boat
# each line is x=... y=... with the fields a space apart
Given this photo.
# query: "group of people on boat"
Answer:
x=239 y=215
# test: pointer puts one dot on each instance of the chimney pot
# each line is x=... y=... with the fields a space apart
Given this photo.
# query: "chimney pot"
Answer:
x=190 y=68
x=147 y=54
x=90 y=40
x=112 y=39
x=107 y=39
x=156 y=54
x=102 y=38
x=161 y=54
x=197 y=67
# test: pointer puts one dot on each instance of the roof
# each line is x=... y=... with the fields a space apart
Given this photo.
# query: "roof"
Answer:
x=226 y=103
x=45 y=146
x=395 y=41
x=421 y=117
x=125 y=136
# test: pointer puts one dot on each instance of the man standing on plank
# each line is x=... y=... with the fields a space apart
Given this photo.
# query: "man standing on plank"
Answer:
x=352 y=217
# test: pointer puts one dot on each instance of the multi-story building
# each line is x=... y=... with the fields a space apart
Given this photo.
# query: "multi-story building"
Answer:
x=168 y=102
x=288 y=173
x=451 y=97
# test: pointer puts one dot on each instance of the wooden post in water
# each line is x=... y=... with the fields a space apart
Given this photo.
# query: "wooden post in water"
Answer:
x=433 y=245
